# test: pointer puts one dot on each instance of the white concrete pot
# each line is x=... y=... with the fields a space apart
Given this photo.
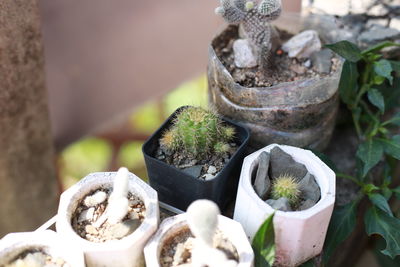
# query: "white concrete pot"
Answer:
x=126 y=252
x=299 y=235
x=12 y=245
x=170 y=226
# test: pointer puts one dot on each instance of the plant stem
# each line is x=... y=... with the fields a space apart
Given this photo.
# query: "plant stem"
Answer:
x=351 y=178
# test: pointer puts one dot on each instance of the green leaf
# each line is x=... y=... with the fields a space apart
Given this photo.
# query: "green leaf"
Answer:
x=341 y=226
x=381 y=202
x=347 y=50
x=370 y=153
x=348 y=82
x=376 y=98
x=309 y=263
x=378 y=47
x=384 y=68
x=392 y=146
x=369 y=188
x=379 y=222
x=395 y=120
x=264 y=244
x=395 y=65
x=396 y=191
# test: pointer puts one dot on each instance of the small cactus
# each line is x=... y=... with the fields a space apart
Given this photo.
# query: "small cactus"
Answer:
x=287 y=187
x=198 y=132
x=255 y=23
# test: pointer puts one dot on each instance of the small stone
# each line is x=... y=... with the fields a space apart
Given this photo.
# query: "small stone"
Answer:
x=395 y=23
x=322 y=61
x=167 y=259
x=193 y=171
x=262 y=182
x=303 y=44
x=308 y=203
x=378 y=11
x=307 y=64
x=95 y=199
x=208 y=176
x=86 y=215
x=133 y=215
x=122 y=229
x=377 y=34
x=212 y=170
x=309 y=188
x=182 y=252
x=298 y=69
x=243 y=54
x=90 y=229
x=282 y=163
x=281 y=204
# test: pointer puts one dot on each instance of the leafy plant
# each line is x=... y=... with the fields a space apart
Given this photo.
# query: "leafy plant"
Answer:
x=264 y=244
x=198 y=132
x=369 y=86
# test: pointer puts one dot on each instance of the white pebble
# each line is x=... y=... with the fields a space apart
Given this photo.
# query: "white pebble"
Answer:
x=211 y=170
x=95 y=199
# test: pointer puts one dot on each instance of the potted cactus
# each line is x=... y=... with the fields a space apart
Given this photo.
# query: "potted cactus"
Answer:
x=110 y=216
x=200 y=237
x=195 y=154
x=295 y=186
x=37 y=249
x=282 y=86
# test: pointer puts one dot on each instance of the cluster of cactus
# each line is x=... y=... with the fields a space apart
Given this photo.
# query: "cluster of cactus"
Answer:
x=287 y=187
x=254 y=20
x=198 y=132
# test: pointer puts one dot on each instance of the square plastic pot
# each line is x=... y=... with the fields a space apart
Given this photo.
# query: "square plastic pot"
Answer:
x=126 y=252
x=299 y=235
x=12 y=245
x=179 y=189
x=232 y=230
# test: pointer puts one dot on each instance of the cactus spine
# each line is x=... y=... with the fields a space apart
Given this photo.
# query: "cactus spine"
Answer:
x=198 y=132
x=287 y=187
x=255 y=23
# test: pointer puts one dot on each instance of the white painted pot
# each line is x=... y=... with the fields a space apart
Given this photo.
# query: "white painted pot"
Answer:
x=299 y=235
x=12 y=245
x=170 y=226
x=126 y=252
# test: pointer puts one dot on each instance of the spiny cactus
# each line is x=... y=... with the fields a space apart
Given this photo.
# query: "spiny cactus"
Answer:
x=198 y=132
x=254 y=20
x=286 y=186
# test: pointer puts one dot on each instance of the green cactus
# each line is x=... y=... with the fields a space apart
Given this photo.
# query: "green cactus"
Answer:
x=286 y=186
x=198 y=132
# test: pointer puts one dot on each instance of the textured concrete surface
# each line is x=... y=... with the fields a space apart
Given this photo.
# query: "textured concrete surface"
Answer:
x=28 y=190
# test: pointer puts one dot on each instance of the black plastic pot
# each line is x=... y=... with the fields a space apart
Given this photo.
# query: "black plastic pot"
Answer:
x=179 y=189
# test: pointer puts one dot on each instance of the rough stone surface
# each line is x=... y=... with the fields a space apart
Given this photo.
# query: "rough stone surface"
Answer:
x=309 y=188
x=303 y=44
x=262 y=182
x=212 y=170
x=244 y=56
x=281 y=204
x=193 y=171
x=282 y=163
x=377 y=34
x=28 y=185
x=122 y=229
x=322 y=61
x=308 y=203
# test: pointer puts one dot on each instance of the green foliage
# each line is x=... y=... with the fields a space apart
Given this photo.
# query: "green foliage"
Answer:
x=198 y=132
x=370 y=88
x=286 y=186
x=264 y=244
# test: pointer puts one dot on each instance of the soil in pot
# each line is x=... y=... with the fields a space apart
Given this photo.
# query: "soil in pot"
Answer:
x=199 y=143
x=283 y=68
x=283 y=183
x=36 y=258
x=176 y=249
x=93 y=205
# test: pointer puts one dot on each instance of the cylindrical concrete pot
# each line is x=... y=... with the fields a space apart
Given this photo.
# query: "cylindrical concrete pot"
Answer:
x=48 y=242
x=126 y=252
x=173 y=225
x=300 y=113
x=299 y=235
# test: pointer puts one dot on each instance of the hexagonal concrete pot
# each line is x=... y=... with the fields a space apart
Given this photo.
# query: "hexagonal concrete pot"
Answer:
x=170 y=226
x=50 y=243
x=299 y=235
x=126 y=252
